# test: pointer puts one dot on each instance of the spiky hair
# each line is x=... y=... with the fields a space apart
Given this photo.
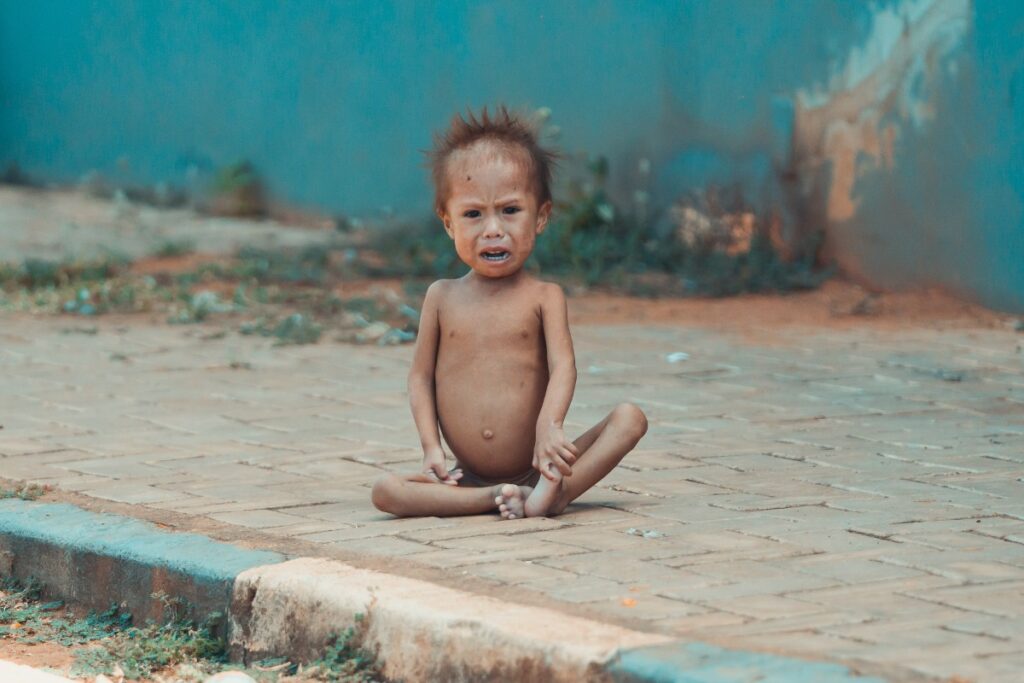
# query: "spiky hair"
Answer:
x=505 y=129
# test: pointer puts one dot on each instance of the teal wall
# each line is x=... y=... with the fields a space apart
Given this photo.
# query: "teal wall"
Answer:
x=995 y=169
x=334 y=101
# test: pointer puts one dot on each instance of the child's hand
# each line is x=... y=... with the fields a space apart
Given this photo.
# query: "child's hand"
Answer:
x=553 y=454
x=434 y=466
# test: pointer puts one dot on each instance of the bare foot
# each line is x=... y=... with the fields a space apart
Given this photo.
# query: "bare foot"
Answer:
x=511 y=501
x=548 y=499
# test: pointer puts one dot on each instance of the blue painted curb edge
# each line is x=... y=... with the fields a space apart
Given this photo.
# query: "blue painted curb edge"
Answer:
x=701 y=663
x=96 y=559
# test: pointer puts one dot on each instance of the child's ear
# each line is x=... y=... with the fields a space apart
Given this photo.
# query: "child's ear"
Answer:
x=543 y=214
x=447 y=221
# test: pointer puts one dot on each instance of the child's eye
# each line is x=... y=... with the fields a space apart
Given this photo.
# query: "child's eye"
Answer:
x=511 y=209
x=472 y=213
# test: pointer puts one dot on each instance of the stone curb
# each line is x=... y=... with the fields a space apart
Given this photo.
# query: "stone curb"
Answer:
x=19 y=673
x=292 y=607
x=94 y=560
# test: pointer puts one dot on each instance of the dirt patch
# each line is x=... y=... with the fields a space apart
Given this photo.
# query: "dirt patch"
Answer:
x=837 y=305
x=174 y=265
x=51 y=656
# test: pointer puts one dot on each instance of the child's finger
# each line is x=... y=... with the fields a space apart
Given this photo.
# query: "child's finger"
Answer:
x=562 y=466
x=439 y=471
x=568 y=456
x=573 y=448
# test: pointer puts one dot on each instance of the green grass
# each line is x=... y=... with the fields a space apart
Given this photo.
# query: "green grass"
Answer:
x=110 y=643
x=34 y=273
x=85 y=288
x=172 y=248
x=289 y=330
x=24 y=617
x=25 y=492
x=111 y=638
x=237 y=190
x=345 y=660
x=142 y=651
x=288 y=295
x=308 y=265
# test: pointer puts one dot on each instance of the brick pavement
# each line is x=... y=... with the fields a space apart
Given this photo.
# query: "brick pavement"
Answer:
x=851 y=494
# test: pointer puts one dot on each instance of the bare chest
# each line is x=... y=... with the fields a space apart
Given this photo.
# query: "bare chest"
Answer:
x=491 y=331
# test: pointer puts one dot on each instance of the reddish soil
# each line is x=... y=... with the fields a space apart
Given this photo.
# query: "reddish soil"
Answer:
x=39 y=655
x=837 y=304
x=158 y=265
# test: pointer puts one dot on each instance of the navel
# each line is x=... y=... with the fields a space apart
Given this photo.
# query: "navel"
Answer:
x=488 y=434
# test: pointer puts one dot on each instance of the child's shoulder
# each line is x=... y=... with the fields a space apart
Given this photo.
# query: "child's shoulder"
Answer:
x=549 y=291
x=438 y=289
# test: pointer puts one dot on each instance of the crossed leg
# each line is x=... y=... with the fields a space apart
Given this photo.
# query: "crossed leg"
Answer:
x=419 y=495
x=601 y=448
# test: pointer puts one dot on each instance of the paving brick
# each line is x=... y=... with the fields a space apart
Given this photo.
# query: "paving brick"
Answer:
x=515 y=572
x=699 y=624
x=851 y=569
x=256 y=519
x=486 y=526
x=827 y=495
x=878 y=598
x=123 y=492
x=764 y=606
x=389 y=545
x=1001 y=599
x=653 y=609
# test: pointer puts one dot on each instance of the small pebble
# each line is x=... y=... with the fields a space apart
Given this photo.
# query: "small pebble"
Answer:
x=644 y=533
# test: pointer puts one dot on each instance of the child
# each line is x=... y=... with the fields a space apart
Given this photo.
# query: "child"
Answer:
x=494 y=364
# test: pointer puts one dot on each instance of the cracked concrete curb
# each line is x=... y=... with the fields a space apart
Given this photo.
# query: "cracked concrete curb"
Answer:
x=421 y=631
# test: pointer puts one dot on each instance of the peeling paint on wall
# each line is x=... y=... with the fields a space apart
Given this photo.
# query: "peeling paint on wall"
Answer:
x=850 y=128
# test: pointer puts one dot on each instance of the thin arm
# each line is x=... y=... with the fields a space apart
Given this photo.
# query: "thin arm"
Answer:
x=561 y=359
x=421 y=375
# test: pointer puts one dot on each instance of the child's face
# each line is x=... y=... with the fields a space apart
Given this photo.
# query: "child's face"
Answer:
x=492 y=213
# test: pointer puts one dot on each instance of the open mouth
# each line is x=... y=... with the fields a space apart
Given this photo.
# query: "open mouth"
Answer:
x=495 y=255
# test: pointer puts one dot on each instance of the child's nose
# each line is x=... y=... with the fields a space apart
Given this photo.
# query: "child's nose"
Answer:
x=493 y=229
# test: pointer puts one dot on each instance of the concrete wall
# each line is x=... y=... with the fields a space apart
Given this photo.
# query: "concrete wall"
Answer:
x=916 y=150
x=850 y=115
